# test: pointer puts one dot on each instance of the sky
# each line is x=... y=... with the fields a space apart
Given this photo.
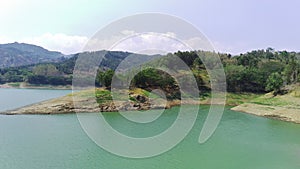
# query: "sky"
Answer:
x=233 y=26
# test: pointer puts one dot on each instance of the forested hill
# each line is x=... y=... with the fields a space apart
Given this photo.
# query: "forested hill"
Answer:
x=60 y=72
x=19 y=54
x=257 y=71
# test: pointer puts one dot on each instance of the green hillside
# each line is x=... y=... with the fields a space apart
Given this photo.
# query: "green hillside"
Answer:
x=258 y=71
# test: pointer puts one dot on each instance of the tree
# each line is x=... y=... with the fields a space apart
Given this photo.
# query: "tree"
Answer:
x=291 y=72
x=187 y=57
x=234 y=77
x=270 y=53
x=100 y=78
x=284 y=56
x=45 y=70
x=108 y=78
x=274 y=83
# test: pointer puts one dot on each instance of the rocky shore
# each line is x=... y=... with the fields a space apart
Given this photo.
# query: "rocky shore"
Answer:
x=83 y=103
x=87 y=101
x=284 y=107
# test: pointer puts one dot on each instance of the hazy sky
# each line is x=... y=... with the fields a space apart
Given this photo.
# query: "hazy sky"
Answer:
x=231 y=25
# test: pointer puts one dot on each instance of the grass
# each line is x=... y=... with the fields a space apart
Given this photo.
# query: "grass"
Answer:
x=270 y=101
x=240 y=98
x=103 y=96
x=291 y=99
x=17 y=84
x=233 y=99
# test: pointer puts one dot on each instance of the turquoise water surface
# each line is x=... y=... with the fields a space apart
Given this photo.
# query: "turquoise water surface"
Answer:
x=241 y=141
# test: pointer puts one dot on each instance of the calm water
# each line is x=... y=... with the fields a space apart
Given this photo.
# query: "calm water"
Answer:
x=13 y=98
x=57 y=141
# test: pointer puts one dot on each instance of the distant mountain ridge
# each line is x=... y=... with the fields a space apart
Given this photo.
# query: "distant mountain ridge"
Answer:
x=20 y=54
x=21 y=62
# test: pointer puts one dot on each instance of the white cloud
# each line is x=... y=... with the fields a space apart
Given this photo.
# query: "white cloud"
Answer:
x=66 y=44
x=148 y=42
x=126 y=40
x=233 y=48
x=164 y=42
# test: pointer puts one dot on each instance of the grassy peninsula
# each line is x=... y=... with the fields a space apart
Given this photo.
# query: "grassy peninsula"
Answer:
x=260 y=82
x=101 y=99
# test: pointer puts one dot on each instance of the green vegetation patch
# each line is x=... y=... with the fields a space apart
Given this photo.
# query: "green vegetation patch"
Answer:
x=240 y=98
x=233 y=99
x=271 y=101
x=17 y=84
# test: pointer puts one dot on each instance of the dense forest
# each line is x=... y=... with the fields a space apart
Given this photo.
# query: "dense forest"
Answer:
x=60 y=73
x=258 y=71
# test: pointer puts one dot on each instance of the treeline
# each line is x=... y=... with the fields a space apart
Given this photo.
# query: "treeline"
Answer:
x=41 y=74
x=258 y=71
x=261 y=70
x=147 y=79
x=60 y=73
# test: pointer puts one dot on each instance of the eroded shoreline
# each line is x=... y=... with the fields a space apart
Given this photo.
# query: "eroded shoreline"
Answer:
x=274 y=112
x=82 y=102
x=281 y=107
x=70 y=104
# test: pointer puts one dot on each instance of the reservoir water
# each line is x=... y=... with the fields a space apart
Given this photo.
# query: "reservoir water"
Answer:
x=241 y=141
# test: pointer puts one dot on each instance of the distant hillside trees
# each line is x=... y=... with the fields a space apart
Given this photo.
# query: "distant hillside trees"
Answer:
x=46 y=70
x=258 y=71
x=274 y=83
x=262 y=71
x=48 y=74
